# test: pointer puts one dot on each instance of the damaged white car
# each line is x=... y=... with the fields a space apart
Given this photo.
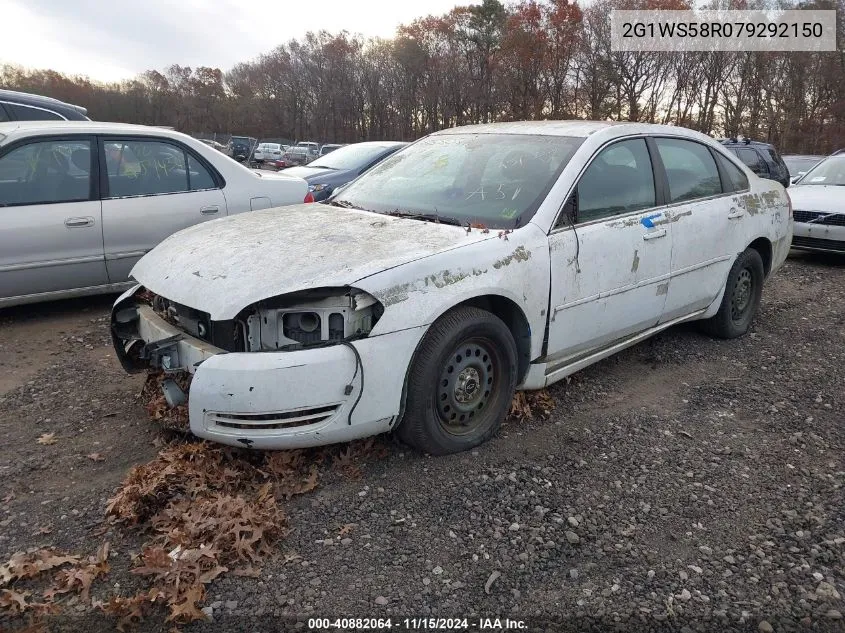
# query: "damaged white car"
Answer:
x=477 y=261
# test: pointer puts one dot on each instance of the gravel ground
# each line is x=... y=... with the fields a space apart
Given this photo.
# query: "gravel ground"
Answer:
x=686 y=484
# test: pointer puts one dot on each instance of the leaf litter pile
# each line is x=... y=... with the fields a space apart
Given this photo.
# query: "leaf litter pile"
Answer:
x=203 y=509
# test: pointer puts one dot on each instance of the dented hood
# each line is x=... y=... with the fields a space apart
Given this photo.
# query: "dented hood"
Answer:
x=223 y=266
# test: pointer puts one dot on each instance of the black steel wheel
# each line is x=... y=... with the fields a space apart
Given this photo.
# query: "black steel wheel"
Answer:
x=467 y=380
x=743 y=291
x=460 y=383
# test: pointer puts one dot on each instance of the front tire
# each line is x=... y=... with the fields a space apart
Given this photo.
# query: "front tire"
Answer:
x=460 y=383
x=741 y=300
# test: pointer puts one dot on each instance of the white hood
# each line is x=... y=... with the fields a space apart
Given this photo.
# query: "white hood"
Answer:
x=223 y=266
x=824 y=198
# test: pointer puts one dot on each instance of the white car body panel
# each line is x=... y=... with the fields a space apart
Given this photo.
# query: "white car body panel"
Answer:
x=285 y=241
x=590 y=290
x=49 y=261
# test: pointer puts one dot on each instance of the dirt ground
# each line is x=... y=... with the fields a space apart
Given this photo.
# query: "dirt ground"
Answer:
x=686 y=484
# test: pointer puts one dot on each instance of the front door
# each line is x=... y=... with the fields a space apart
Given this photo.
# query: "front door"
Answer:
x=610 y=271
x=154 y=189
x=52 y=235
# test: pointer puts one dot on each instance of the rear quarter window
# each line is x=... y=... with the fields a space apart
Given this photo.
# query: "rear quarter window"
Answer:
x=735 y=179
x=26 y=113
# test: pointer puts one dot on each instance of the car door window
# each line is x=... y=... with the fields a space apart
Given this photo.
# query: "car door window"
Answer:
x=3 y=116
x=25 y=113
x=200 y=178
x=690 y=169
x=619 y=180
x=780 y=168
x=736 y=180
x=752 y=159
x=145 y=168
x=46 y=172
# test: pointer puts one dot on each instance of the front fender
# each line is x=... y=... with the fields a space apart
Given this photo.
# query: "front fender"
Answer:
x=515 y=266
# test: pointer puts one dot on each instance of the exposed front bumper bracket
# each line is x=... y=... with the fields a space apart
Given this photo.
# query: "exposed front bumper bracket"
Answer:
x=163 y=354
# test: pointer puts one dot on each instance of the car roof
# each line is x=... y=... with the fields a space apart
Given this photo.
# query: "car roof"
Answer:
x=571 y=128
x=808 y=156
x=27 y=98
x=727 y=141
x=16 y=129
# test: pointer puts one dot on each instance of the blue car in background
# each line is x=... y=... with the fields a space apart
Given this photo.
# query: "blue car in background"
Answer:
x=343 y=165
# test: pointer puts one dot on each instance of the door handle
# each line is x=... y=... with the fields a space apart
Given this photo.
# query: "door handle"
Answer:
x=210 y=210
x=655 y=235
x=74 y=223
x=735 y=213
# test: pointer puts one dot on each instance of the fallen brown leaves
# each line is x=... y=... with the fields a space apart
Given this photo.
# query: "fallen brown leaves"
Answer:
x=46 y=439
x=80 y=577
x=152 y=397
x=528 y=405
x=208 y=509
x=73 y=576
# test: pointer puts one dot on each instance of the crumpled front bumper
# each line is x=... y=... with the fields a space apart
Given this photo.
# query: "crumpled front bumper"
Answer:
x=274 y=400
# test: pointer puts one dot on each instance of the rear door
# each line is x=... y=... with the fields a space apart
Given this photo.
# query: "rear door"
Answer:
x=52 y=237
x=152 y=187
x=707 y=230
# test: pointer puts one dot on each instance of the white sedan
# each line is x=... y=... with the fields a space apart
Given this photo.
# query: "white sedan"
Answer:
x=818 y=200
x=82 y=201
x=266 y=152
x=476 y=261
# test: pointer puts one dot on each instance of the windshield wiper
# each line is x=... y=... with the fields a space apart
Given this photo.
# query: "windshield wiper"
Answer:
x=428 y=217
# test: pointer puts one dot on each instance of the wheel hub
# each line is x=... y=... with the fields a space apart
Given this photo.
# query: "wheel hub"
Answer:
x=465 y=386
x=741 y=297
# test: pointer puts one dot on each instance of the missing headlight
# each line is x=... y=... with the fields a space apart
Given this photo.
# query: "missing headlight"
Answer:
x=312 y=317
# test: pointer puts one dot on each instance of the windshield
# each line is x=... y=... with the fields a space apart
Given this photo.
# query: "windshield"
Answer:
x=498 y=180
x=350 y=157
x=799 y=165
x=831 y=171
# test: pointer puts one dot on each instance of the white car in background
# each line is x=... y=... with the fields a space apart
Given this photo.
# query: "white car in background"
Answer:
x=475 y=261
x=266 y=152
x=818 y=203
x=82 y=202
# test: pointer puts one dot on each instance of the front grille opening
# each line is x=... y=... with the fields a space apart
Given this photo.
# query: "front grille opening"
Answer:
x=282 y=420
x=834 y=219
x=816 y=242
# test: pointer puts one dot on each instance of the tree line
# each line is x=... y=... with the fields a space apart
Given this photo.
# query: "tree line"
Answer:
x=534 y=59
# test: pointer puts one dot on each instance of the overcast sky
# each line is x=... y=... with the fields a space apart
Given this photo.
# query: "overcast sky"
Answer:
x=117 y=39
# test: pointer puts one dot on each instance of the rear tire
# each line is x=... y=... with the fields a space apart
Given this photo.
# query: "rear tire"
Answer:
x=741 y=300
x=460 y=383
